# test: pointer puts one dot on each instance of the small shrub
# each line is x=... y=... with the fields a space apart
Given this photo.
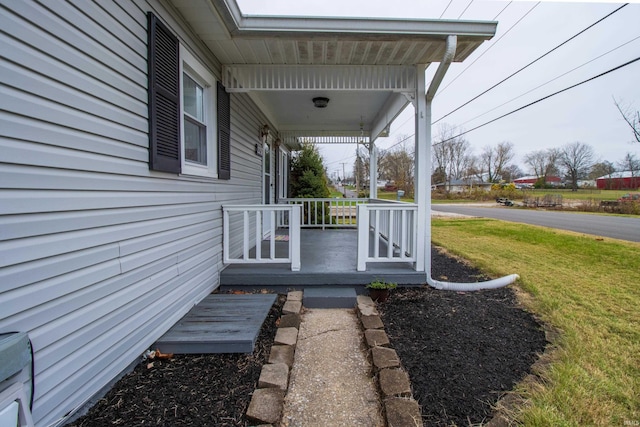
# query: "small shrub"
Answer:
x=381 y=284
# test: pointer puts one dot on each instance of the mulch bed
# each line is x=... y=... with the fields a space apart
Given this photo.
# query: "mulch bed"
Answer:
x=187 y=390
x=462 y=352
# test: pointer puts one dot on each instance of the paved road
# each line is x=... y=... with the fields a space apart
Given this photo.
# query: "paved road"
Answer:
x=348 y=193
x=624 y=228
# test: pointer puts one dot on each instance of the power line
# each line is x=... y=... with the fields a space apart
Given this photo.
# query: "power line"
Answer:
x=531 y=63
x=503 y=9
x=549 y=81
x=385 y=149
x=399 y=142
x=520 y=108
x=465 y=9
x=445 y=9
x=517 y=109
x=489 y=48
x=544 y=98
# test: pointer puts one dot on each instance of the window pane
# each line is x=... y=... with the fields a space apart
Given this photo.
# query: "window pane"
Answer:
x=193 y=98
x=195 y=142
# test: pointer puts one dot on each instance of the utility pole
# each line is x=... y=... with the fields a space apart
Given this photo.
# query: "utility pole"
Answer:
x=344 y=177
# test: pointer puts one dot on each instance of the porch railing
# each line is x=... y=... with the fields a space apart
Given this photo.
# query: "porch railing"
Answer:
x=260 y=224
x=386 y=229
x=323 y=213
x=392 y=223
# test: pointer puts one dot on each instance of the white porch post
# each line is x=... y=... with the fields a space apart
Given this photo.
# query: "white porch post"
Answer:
x=373 y=170
x=422 y=187
x=294 y=236
x=423 y=153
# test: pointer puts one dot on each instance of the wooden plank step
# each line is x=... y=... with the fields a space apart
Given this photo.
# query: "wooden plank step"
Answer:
x=326 y=297
x=220 y=323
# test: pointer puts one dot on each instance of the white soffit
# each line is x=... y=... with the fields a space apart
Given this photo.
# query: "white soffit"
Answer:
x=244 y=39
x=363 y=65
x=244 y=78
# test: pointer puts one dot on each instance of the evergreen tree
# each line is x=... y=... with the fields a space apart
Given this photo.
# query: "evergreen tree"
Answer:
x=308 y=177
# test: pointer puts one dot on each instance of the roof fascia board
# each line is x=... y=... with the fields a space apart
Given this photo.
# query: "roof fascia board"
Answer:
x=273 y=26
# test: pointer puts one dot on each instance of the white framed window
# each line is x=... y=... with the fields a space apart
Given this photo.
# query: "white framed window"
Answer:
x=197 y=117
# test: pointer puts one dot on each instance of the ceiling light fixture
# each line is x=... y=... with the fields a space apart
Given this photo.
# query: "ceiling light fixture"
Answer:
x=320 y=102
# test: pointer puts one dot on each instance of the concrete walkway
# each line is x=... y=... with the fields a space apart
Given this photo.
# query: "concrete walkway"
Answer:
x=330 y=382
x=332 y=367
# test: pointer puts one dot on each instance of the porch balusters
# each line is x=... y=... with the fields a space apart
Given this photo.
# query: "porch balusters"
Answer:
x=265 y=221
x=390 y=224
x=327 y=212
x=381 y=224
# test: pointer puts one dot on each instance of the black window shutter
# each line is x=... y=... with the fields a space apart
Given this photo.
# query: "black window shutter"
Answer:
x=164 y=97
x=224 y=133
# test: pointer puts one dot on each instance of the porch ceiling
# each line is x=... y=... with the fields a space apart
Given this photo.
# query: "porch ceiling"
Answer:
x=287 y=46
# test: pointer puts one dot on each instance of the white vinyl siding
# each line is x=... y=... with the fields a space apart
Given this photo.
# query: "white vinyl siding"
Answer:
x=99 y=255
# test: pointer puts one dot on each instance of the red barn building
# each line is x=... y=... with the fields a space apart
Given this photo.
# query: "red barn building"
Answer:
x=626 y=180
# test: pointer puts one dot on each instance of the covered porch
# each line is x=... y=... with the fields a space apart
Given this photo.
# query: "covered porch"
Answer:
x=321 y=241
x=332 y=80
x=329 y=258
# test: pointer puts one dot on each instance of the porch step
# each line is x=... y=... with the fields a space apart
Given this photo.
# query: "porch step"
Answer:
x=325 y=297
x=220 y=323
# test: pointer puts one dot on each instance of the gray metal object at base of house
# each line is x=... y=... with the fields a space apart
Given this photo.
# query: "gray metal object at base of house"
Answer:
x=328 y=258
x=220 y=323
x=326 y=297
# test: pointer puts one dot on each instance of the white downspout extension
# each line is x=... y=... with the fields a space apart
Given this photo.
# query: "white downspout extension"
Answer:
x=431 y=92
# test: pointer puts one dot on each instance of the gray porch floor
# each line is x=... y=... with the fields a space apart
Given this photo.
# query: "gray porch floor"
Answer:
x=220 y=323
x=328 y=258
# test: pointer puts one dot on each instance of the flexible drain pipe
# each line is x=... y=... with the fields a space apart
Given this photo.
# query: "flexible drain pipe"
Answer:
x=431 y=92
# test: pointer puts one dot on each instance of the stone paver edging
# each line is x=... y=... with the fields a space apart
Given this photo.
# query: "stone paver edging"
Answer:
x=267 y=402
x=400 y=409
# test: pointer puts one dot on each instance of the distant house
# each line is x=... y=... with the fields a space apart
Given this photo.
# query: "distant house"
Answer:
x=463 y=185
x=529 y=181
x=129 y=129
x=626 y=180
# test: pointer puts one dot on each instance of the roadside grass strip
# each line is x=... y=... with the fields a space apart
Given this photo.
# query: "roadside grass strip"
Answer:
x=586 y=288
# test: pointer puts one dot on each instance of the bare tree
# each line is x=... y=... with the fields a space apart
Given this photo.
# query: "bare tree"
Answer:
x=631 y=117
x=577 y=159
x=603 y=169
x=451 y=154
x=398 y=166
x=537 y=161
x=494 y=160
x=543 y=163
x=600 y=169
x=440 y=154
x=630 y=163
x=512 y=172
x=366 y=162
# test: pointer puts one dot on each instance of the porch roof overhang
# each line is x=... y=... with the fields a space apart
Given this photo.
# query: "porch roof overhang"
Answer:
x=365 y=66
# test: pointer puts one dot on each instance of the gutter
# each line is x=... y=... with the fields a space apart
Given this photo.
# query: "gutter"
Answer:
x=239 y=24
x=431 y=92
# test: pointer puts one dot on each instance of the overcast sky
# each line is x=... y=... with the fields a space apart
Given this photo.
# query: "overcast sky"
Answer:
x=586 y=113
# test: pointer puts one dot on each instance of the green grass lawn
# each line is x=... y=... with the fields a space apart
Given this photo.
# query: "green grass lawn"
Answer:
x=581 y=194
x=588 y=289
x=335 y=193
